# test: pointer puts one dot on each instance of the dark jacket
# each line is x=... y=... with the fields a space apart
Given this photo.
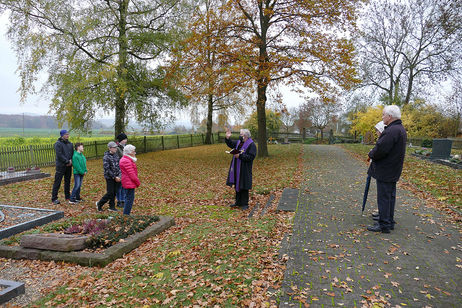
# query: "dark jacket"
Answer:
x=111 y=165
x=388 y=154
x=245 y=177
x=64 y=151
x=120 y=150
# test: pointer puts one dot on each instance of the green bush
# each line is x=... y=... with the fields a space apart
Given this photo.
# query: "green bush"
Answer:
x=309 y=140
x=427 y=143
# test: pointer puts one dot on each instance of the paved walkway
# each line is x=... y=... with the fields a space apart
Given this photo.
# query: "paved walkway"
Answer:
x=334 y=261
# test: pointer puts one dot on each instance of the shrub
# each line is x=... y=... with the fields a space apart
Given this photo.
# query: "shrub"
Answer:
x=118 y=228
x=427 y=143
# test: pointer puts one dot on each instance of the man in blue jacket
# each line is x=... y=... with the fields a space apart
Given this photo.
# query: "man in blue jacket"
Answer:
x=64 y=151
x=386 y=167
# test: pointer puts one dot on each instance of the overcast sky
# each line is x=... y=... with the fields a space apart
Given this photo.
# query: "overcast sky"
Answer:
x=9 y=83
x=9 y=80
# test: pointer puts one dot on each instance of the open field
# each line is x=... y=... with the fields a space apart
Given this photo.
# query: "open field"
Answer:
x=44 y=133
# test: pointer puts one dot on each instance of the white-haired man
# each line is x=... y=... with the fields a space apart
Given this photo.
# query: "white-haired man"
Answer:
x=386 y=167
x=240 y=171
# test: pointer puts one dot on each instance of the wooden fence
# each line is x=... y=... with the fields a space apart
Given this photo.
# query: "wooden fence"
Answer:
x=23 y=157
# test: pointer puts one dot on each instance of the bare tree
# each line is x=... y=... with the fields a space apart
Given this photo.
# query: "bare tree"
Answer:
x=320 y=113
x=404 y=42
x=288 y=117
x=302 y=121
x=454 y=105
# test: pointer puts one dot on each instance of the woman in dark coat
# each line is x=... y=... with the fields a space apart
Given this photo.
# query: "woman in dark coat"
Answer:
x=240 y=171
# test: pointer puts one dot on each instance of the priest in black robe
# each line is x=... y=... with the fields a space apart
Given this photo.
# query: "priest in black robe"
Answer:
x=240 y=171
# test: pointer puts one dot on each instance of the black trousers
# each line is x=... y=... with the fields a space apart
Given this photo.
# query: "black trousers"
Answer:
x=111 y=189
x=242 y=197
x=66 y=172
x=386 y=198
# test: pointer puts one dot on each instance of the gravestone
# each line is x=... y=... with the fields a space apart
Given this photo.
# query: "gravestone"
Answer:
x=441 y=149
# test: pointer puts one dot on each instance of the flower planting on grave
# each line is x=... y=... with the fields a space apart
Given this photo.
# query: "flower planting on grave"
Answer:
x=103 y=230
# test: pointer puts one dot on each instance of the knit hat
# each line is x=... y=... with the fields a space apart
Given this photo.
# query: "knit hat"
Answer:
x=121 y=137
x=112 y=144
x=63 y=132
x=380 y=126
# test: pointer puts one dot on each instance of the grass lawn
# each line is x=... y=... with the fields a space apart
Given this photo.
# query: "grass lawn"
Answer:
x=212 y=256
x=440 y=185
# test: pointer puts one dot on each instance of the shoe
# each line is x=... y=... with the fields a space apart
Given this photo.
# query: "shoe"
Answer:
x=244 y=207
x=73 y=202
x=56 y=201
x=113 y=209
x=378 y=228
x=233 y=205
x=374 y=215
x=376 y=218
x=98 y=207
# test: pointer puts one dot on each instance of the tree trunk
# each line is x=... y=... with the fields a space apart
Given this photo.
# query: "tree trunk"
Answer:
x=120 y=104
x=390 y=90
x=322 y=134
x=303 y=133
x=456 y=132
x=261 y=116
x=409 y=86
x=208 y=135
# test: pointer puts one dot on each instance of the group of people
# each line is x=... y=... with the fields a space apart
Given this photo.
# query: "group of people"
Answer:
x=121 y=174
x=119 y=166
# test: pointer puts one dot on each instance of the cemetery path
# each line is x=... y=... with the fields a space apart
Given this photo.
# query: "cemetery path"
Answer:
x=335 y=261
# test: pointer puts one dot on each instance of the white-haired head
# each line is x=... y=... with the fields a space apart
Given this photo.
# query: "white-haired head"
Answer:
x=393 y=111
x=129 y=149
x=245 y=132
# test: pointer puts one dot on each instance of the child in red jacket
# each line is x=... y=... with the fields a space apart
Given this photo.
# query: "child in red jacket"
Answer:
x=130 y=179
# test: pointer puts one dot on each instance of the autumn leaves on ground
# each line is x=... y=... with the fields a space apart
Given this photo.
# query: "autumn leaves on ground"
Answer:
x=212 y=256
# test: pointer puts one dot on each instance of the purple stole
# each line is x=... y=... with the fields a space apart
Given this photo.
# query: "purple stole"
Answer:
x=236 y=163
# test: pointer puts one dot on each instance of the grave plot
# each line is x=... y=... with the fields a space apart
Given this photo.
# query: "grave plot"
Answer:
x=19 y=219
x=13 y=176
x=68 y=248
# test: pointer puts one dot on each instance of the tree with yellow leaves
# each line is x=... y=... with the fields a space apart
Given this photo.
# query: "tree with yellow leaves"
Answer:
x=364 y=121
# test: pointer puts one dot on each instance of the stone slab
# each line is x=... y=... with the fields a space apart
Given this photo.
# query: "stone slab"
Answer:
x=54 y=241
x=49 y=216
x=12 y=289
x=448 y=163
x=288 y=201
x=9 y=178
x=267 y=205
x=88 y=258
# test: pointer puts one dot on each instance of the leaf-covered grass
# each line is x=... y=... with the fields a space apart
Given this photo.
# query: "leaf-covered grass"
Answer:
x=441 y=182
x=214 y=255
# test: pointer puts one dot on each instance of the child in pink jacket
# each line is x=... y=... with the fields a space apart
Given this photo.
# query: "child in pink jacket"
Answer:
x=130 y=179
